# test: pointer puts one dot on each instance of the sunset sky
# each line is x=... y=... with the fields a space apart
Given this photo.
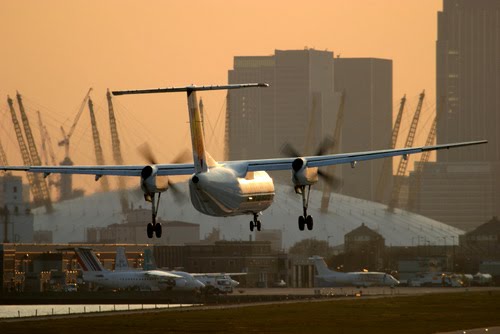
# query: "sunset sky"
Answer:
x=53 y=51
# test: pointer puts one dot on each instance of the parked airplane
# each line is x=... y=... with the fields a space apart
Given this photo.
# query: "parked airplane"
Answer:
x=212 y=282
x=232 y=187
x=357 y=279
x=94 y=272
x=184 y=282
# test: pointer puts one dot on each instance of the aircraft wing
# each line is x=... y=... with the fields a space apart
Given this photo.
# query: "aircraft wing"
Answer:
x=217 y=274
x=343 y=158
x=102 y=170
x=242 y=166
x=161 y=274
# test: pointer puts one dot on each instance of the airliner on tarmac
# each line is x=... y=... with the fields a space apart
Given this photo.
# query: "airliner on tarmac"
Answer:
x=357 y=279
x=94 y=272
x=228 y=188
x=184 y=282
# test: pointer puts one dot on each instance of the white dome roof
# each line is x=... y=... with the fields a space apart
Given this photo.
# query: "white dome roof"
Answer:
x=400 y=228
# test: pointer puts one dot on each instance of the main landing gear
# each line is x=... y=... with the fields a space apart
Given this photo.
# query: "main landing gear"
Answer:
x=255 y=222
x=153 y=227
x=305 y=219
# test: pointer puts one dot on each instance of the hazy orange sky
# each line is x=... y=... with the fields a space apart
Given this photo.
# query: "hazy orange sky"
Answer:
x=53 y=51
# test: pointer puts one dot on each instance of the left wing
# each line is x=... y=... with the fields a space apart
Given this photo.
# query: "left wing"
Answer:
x=161 y=274
x=242 y=166
x=343 y=158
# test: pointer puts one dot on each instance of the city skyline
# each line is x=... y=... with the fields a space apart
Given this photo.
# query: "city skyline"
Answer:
x=57 y=50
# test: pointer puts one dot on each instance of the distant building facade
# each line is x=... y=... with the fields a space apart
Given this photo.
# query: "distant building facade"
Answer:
x=301 y=106
x=16 y=219
x=467 y=86
x=364 y=249
x=133 y=230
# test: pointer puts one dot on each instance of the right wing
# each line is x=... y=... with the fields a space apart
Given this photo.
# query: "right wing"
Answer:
x=98 y=170
x=161 y=274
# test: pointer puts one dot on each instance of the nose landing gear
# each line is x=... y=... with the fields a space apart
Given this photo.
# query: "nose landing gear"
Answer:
x=255 y=223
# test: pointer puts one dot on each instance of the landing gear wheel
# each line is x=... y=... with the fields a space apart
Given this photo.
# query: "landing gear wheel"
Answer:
x=259 y=225
x=301 y=223
x=309 y=222
x=158 y=230
x=251 y=226
x=150 y=230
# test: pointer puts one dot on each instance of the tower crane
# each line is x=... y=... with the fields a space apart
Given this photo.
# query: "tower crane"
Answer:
x=386 y=167
x=66 y=183
x=117 y=153
x=32 y=180
x=47 y=149
x=431 y=137
x=403 y=163
x=97 y=144
x=35 y=157
x=327 y=189
x=3 y=157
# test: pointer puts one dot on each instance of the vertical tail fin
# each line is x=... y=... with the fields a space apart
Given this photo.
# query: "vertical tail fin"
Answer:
x=320 y=265
x=121 y=262
x=197 y=136
x=195 y=120
x=88 y=260
x=149 y=260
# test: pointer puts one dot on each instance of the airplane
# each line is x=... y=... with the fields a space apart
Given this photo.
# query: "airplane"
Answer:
x=357 y=279
x=184 y=282
x=212 y=282
x=94 y=272
x=228 y=188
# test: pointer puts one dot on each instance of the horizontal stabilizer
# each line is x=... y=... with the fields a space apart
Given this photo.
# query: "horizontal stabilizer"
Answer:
x=188 y=89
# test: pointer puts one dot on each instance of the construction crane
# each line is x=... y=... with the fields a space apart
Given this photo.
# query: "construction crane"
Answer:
x=3 y=157
x=33 y=182
x=386 y=167
x=403 y=163
x=97 y=144
x=66 y=181
x=67 y=136
x=35 y=157
x=327 y=190
x=424 y=158
x=117 y=153
x=47 y=149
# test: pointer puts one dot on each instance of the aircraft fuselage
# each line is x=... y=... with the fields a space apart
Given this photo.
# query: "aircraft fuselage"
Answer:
x=221 y=192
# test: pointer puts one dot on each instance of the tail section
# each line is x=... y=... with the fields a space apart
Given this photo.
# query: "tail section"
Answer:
x=320 y=265
x=149 y=260
x=197 y=139
x=88 y=260
x=121 y=262
x=197 y=136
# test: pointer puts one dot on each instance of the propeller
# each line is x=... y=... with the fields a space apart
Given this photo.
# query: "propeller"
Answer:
x=326 y=145
x=184 y=156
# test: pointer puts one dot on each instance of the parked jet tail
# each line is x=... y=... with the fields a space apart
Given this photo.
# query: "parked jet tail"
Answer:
x=149 y=260
x=121 y=262
x=88 y=260
x=320 y=265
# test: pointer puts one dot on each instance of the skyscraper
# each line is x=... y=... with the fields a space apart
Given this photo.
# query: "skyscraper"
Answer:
x=301 y=105
x=468 y=78
x=462 y=187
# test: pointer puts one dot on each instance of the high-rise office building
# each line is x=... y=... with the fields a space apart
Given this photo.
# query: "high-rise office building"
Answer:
x=468 y=78
x=301 y=105
x=462 y=188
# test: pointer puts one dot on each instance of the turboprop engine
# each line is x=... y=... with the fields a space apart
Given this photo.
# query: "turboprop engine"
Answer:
x=303 y=175
x=151 y=183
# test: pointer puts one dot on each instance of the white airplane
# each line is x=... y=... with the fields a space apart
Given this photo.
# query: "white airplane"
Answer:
x=94 y=272
x=184 y=282
x=227 y=188
x=218 y=282
x=357 y=279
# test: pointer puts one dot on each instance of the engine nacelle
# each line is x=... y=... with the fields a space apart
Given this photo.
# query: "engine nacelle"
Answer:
x=303 y=175
x=150 y=182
